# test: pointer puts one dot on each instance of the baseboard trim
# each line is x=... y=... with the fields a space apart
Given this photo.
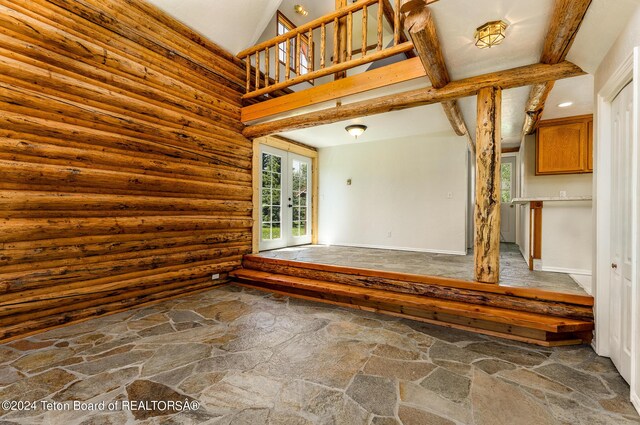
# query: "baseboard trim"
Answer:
x=635 y=400
x=396 y=248
x=567 y=271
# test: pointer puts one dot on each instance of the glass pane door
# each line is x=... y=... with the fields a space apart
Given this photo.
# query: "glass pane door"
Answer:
x=285 y=199
x=300 y=201
x=271 y=199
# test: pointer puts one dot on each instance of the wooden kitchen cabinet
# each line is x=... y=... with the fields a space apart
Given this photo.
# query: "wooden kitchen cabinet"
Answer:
x=565 y=146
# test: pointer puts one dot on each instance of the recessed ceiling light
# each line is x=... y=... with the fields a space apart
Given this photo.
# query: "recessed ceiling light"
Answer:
x=564 y=104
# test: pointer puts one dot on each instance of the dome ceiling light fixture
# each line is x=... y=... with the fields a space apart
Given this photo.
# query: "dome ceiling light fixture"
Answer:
x=564 y=104
x=490 y=34
x=356 y=130
x=300 y=10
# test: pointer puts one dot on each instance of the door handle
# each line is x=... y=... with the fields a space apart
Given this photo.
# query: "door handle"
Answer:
x=290 y=206
x=614 y=266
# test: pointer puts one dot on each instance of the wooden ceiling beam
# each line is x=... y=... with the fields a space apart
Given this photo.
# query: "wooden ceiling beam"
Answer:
x=565 y=23
x=422 y=30
x=516 y=77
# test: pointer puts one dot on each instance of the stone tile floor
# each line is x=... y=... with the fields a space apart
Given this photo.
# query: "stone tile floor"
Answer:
x=249 y=357
x=513 y=269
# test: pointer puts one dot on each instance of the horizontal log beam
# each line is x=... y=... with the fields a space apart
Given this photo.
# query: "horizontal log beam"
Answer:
x=516 y=77
x=382 y=77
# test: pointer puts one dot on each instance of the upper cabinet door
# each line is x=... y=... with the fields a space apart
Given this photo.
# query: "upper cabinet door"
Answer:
x=562 y=146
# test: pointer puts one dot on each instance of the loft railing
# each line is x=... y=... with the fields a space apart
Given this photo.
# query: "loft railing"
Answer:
x=261 y=80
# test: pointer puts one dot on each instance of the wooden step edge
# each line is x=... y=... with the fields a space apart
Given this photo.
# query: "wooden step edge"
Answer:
x=470 y=296
x=512 y=337
x=524 y=319
x=532 y=293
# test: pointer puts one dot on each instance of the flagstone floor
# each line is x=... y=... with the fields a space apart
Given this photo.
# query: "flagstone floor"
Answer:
x=239 y=356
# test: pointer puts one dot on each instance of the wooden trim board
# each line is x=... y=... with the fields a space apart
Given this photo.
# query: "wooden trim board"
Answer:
x=382 y=77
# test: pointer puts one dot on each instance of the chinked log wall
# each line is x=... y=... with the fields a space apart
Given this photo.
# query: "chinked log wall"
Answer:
x=124 y=175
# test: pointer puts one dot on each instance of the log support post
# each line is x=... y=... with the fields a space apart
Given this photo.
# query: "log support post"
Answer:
x=487 y=205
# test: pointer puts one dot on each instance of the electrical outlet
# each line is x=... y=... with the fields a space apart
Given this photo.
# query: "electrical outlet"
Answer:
x=215 y=276
x=563 y=193
x=449 y=195
x=389 y=234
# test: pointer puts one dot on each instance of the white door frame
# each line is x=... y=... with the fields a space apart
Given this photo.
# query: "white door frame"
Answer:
x=602 y=203
x=635 y=243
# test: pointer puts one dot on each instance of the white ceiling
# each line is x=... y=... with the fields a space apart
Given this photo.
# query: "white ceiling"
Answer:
x=239 y=24
x=578 y=90
x=234 y=25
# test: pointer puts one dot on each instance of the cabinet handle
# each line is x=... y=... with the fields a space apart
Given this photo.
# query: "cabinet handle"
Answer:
x=614 y=266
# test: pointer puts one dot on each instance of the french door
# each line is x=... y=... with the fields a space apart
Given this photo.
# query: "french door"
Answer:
x=621 y=237
x=285 y=199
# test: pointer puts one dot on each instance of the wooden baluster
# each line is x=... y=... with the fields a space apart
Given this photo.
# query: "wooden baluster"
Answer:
x=364 y=31
x=287 y=70
x=323 y=44
x=396 y=24
x=336 y=38
x=349 y=35
x=298 y=51
x=266 y=67
x=247 y=61
x=257 y=70
x=380 y=24
x=310 y=66
x=277 y=63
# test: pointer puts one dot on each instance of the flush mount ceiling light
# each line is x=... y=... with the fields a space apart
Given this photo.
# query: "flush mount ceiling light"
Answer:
x=564 y=104
x=356 y=130
x=490 y=34
x=300 y=10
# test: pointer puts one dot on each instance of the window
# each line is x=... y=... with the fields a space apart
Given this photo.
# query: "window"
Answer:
x=505 y=174
x=283 y=27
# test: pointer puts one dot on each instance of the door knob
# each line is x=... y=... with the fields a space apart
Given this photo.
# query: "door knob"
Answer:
x=614 y=266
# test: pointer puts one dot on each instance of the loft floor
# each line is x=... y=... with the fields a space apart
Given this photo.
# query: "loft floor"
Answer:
x=514 y=270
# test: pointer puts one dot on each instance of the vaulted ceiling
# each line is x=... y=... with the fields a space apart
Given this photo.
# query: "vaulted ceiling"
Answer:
x=239 y=24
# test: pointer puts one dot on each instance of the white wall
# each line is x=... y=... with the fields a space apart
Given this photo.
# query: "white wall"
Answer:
x=399 y=187
x=618 y=54
x=567 y=232
x=621 y=49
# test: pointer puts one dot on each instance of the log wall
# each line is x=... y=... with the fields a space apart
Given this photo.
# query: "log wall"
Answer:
x=125 y=178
